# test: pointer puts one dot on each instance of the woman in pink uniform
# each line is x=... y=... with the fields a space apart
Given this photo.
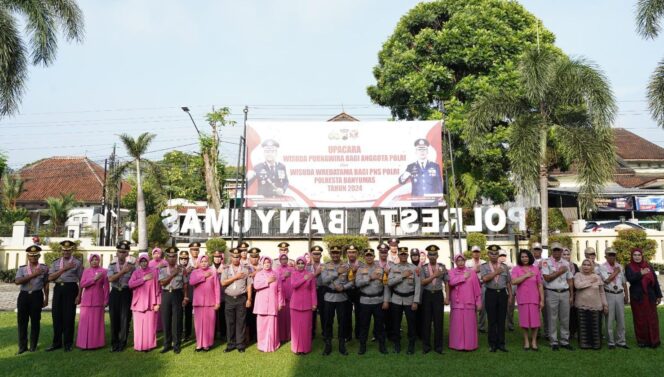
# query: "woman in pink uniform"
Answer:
x=207 y=299
x=158 y=262
x=269 y=301
x=529 y=297
x=285 y=271
x=93 y=298
x=303 y=303
x=145 y=301
x=465 y=299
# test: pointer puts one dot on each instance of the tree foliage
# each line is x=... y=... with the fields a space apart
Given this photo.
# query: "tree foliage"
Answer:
x=649 y=15
x=57 y=210
x=181 y=173
x=454 y=51
x=630 y=239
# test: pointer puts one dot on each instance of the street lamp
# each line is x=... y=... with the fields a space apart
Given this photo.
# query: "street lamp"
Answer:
x=186 y=110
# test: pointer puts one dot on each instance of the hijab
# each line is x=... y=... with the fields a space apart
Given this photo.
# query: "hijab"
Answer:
x=647 y=279
x=156 y=254
x=143 y=256
x=456 y=257
x=200 y=259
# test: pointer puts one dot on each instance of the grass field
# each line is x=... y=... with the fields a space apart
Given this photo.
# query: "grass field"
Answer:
x=633 y=362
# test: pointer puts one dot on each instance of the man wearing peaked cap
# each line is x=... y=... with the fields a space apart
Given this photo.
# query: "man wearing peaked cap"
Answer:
x=119 y=300
x=353 y=294
x=244 y=245
x=253 y=267
x=66 y=272
x=617 y=296
x=315 y=268
x=194 y=250
x=424 y=175
x=404 y=279
x=270 y=174
x=283 y=250
x=173 y=294
x=498 y=283
x=558 y=286
x=335 y=279
x=385 y=264
x=393 y=256
x=434 y=286
x=237 y=282
x=33 y=296
x=373 y=295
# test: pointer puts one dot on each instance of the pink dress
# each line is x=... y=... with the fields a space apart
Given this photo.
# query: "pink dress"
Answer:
x=207 y=296
x=528 y=296
x=303 y=299
x=157 y=264
x=145 y=295
x=269 y=297
x=283 y=317
x=94 y=298
x=465 y=297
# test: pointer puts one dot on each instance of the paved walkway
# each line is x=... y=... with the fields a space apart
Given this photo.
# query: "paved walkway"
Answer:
x=9 y=294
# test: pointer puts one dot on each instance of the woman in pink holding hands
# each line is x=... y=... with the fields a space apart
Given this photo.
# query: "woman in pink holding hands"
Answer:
x=145 y=301
x=93 y=298
x=269 y=301
x=303 y=302
x=285 y=271
x=465 y=299
x=207 y=300
x=529 y=297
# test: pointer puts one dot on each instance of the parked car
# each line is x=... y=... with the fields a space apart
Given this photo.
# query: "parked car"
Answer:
x=602 y=226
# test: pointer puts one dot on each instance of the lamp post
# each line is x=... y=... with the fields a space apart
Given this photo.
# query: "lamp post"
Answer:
x=186 y=110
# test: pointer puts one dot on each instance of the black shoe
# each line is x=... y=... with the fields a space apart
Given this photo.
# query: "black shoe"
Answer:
x=240 y=350
x=206 y=349
x=68 y=348
x=555 y=348
x=611 y=347
x=53 y=348
x=492 y=349
x=328 y=348
x=228 y=349
x=567 y=347
x=397 y=348
x=411 y=348
x=165 y=349
x=382 y=349
x=198 y=350
x=114 y=349
x=623 y=346
x=640 y=345
x=33 y=349
x=21 y=351
x=426 y=350
x=440 y=352
x=502 y=349
x=363 y=349
x=176 y=350
x=342 y=349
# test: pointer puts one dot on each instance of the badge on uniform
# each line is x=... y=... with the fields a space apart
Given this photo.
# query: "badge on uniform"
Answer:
x=281 y=174
x=432 y=172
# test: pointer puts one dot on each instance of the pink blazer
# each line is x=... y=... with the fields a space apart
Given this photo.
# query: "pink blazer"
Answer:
x=95 y=293
x=206 y=290
x=269 y=296
x=286 y=284
x=304 y=291
x=464 y=293
x=146 y=294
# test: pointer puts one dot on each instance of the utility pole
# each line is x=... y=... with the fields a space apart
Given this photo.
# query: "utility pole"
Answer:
x=111 y=199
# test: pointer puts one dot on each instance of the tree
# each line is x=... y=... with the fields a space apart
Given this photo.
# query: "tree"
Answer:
x=648 y=17
x=136 y=148
x=210 y=152
x=58 y=211
x=182 y=174
x=42 y=21
x=453 y=51
x=563 y=104
x=12 y=187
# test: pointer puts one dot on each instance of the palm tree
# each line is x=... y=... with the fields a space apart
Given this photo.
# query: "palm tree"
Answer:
x=42 y=20
x=58 y=210
x=12 y=187
x=564 y=105
x=648 y=17
x=136 y=148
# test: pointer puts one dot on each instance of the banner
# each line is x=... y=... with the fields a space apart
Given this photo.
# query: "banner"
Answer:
x=344 y=164
x=614 y=204
x=650 y=203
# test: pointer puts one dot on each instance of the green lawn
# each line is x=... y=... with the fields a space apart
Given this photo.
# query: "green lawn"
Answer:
x=633 y=362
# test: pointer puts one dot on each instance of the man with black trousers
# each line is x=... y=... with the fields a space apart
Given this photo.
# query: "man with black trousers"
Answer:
x=119 y=300
x=173 y=294
x=335 y=280
x=435 y=290
x=33 y=296
x=496 y=278
x=237 y=284
x=66 y=273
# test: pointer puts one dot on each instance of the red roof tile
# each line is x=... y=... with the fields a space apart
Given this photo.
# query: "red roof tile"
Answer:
x=630 y=146
x=55 y=176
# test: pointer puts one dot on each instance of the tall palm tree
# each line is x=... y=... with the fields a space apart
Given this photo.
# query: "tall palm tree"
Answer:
x=42 y=20
x=136 y=148
x=649 y=14
x=12 y=187
x=564 y=104
x=58 y=210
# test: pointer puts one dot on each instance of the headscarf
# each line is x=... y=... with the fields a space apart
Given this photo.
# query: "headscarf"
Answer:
x=156 y=253
x=455 y=260
x=647 y=279
x=303 y=259
x=200 y=259
x=143 y=256
x=94 y=255
x=263 y=260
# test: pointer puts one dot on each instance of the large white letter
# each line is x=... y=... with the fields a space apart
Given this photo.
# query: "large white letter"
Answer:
x=409 y=221
x=336 y=224
x=170 y=219
x=488 y=219
x=288 y=221
x=246 y=223
x=477 y=227
x=191 y=222
x=316 y=222
x=430 y=216
x=216 y=224
x=388 y=226
x=369 y=222
x=265 y=218
x=517 y=215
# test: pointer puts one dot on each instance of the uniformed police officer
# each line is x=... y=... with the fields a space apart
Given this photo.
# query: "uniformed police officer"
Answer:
x=496 y=277
x=253 y=267
x=386 y=265
x=173 y=291
x=404 y=279
x=243 y=249
x=284 y=248
x=194 y=249
x=374 y=298
x=353 y=305
x=220 y=321
x=424 y=175
x=435 y=290
x=335 y=279
x=66 y=272
x=237 y=284
x=119 y=301
x=270 y=174
x=315 y=267
x=33 y=279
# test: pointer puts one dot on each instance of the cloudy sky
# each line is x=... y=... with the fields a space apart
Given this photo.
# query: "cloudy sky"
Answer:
x=289 y=59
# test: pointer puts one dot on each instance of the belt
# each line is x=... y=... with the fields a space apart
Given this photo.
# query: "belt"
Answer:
x=615 y=293
x=31 y=292
x=373 y=295
x=496 y=289
x=557 y=290
x=240 y=295
x=404 y=294
x=62 y=283
x=119 y=289
x=433 y=290
x=171 y=289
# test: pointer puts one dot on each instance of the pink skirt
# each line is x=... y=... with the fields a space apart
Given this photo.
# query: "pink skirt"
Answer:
x=91 y=331
x=463 y=330
x=529 y=316
x=145 y=330
x=268 y=333
x=301 y=321
x=284 y=320
x=204 y=320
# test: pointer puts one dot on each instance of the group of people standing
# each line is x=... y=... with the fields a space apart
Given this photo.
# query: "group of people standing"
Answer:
x=249 y=299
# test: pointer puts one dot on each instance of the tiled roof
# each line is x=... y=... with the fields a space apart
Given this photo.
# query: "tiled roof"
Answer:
x=343 y=117
x=634 y=181
x=630 y=146
x=55 y=176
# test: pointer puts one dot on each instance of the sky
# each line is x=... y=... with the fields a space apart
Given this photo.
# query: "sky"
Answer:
x=141 y=61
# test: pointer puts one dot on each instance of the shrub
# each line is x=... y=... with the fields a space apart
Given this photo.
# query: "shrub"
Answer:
x=556 y=220
x=360 y=242
x=8 y=276
x=158 y=235
x=566 y=241
x=630 y=239
x=478 y=239
x=215 y=244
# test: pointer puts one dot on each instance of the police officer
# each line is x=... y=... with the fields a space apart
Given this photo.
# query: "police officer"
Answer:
x=374 y=297
x=220 y=322
x=253 y=267
x=194 y=249
x=386 y=265
x=173 y=293
x=119 y=301
x=33 y=279
x=353 y=304
x=424 y=175
x=435 y=290
x=335 y=279
x=315 y=267
x=270 y=174
x=404 y=279
x=496 y=277
x=284 y=248
x=243 y=249
x=66 y=273
x=237 y=282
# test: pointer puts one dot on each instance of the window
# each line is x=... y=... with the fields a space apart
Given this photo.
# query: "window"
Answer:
x=84 y=220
